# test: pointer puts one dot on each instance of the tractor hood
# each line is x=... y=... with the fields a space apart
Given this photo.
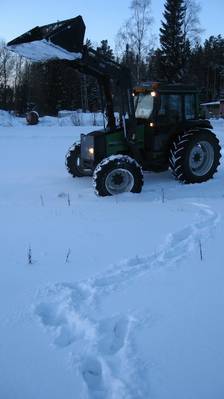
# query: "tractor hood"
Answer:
x=60 y=40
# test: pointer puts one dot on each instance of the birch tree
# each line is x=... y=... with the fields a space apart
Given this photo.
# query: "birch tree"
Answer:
x=135 y=32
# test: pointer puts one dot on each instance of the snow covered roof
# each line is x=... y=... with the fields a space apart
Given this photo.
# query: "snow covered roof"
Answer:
x=211 y=103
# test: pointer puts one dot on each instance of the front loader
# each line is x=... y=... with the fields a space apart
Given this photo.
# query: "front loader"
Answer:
x=159 y=125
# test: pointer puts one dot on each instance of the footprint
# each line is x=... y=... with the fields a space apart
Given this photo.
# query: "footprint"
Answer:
x=111 y=368
x=49 y=314
x=181 y=236
x=65 y=322
x=113 y=333
x=91 y=371
x=65 y=337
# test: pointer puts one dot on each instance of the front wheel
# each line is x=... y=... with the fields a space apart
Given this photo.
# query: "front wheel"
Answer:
x=117 y=174
x=73 y=162
x=195 y=156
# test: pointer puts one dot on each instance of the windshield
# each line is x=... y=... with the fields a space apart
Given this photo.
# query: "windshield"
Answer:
x=143 y=105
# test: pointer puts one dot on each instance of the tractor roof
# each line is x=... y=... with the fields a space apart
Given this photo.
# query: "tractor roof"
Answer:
x=163 y=87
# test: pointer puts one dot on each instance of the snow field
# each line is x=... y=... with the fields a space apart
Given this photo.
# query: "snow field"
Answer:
x=65 y=118
x=123 y=297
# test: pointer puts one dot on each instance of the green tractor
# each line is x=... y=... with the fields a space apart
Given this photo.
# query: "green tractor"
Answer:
x=159 y=125
x=168 y=135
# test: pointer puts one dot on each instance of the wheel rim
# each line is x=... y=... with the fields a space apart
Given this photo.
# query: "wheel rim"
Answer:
x=78 y=162
x=201 y=158
x=119 y=181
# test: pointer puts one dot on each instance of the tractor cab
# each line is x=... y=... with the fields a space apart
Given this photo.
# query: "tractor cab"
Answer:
x=165 y=104
x=165 y=110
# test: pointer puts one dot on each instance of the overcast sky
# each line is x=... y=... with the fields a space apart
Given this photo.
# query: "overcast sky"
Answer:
x=102 y=17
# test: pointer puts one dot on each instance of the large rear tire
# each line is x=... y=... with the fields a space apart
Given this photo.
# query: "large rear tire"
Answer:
x=194 y=156
x=117 y=174
x=73 y=164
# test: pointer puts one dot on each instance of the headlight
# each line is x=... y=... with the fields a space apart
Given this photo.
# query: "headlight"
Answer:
x=87 y=147
x=91 y=150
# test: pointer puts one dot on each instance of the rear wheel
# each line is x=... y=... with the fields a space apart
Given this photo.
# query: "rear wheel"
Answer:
x=195 y=156
x=117 y=174
x=73 y=162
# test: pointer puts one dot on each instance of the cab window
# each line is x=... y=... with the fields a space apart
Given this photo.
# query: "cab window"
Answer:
x=170 y=108
x=189 y=106
x=143 y=105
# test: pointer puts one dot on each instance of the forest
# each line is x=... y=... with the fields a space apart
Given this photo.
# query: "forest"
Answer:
x=176 y=53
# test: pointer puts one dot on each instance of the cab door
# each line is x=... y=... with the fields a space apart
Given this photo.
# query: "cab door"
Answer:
x=169 y=118
x=170 y=110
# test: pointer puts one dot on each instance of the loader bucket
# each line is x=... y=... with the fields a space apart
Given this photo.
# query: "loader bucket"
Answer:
x=60 y=40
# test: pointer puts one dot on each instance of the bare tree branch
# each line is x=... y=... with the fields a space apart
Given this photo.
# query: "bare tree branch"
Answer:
x=192 y=26
x=135 y=31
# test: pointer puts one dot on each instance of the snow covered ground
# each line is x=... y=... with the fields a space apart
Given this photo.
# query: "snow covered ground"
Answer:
x=66 y=118
x=106 y=298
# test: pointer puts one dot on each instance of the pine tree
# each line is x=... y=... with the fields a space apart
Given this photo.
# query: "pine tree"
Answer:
x=172 y=40
x=105 y=49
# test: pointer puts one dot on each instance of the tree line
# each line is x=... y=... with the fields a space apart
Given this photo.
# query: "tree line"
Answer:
x=180 y=56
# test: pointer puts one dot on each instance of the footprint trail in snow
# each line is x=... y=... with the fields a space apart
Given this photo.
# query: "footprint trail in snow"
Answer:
x=104 y=348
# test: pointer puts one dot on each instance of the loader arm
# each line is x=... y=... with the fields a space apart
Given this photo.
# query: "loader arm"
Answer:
x=63 y=40
x=106 y=70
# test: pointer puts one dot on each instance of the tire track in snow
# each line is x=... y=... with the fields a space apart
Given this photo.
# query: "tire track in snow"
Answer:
x=105 y=354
